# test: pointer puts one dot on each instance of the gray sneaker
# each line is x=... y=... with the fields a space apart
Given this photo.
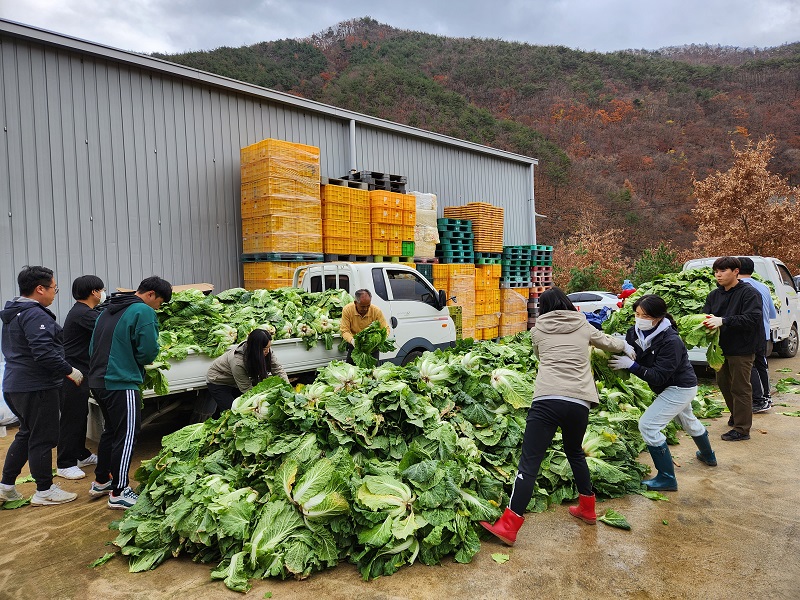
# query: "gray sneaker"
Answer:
x=98 y=490
x=89 y=460
x=55 y=495
x=9 y=493
x=126 y=499
x=760 y=407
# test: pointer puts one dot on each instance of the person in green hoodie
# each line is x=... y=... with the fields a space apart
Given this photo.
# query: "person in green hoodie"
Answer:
x=125 y=339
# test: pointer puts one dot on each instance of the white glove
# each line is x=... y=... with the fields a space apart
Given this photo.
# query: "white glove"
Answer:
x=713 y=322
x=75 y=376
x=620 y=362
x=629 y=351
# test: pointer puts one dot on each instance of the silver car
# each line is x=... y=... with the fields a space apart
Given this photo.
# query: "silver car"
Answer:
x=592 y=301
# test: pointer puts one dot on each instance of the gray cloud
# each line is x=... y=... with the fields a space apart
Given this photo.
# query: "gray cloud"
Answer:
x=180 y=25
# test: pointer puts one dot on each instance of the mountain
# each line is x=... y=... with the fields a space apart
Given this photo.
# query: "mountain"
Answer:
x=620 y=134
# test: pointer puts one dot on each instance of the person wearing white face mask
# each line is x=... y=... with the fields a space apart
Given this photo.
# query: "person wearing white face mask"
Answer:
x=663 y=362
x=89 y=292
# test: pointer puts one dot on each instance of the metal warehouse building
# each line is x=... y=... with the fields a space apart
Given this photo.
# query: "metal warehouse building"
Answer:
x=121 y=165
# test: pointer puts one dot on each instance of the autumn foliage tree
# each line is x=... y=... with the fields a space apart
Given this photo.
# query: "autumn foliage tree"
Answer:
x=590 y=258
x=748 y=210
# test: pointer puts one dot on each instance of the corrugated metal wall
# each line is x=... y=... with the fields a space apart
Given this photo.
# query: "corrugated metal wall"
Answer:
x=123 y=171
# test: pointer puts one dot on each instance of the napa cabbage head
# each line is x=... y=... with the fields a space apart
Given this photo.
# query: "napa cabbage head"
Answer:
x=515 y=387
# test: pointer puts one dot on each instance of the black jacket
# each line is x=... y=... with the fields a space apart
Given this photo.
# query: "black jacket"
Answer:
x=33 y=345
x=740 y=308
x=665 y=363
x=78 y=327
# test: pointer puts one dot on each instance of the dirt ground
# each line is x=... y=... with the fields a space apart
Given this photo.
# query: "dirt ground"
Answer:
x=729 y=532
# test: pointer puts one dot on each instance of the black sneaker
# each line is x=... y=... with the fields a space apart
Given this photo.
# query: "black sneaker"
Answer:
x=760 y=407
x=735 y=436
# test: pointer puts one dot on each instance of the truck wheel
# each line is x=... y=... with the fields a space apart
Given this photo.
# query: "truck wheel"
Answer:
x=411 y=357
x=788 y=347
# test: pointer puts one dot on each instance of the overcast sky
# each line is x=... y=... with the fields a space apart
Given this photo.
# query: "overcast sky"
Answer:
x=602 y=25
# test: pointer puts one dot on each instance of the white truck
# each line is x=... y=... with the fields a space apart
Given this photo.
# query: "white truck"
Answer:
x=784 y=328
x=417 y=315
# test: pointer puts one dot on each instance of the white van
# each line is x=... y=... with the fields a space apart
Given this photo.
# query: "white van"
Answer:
x=784 y=338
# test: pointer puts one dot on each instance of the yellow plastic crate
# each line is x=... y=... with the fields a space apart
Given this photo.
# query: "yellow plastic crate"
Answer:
x=273 y=148
x=379 y=232
x=382 y=214
x=410 y=217
x=360 y=230
x=332 y=245
x=410 y=203
x=270 y=242
x=384 y=199
x=407 y=233
x=263 y=207
x=270 y=224
x=266 y=284
x=360 y=213
x=308 y=189
x=274 y=167
x=394 y=247
x=444 y=271
x=335 y=193
x=309 y=243
x=360 y=247
x=359 y=196
x=269 y=186
x=380 y=247
x=395 y=232
x=336 y=229
x=270 y=270
x=335 y=211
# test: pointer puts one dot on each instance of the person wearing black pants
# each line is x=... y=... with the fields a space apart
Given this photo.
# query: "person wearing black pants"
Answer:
x=544 y=417
x=564 y=392
x=124 y=341
x=88 y=292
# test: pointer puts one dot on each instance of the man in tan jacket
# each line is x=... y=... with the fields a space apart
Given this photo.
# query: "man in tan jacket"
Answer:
x=357 y=316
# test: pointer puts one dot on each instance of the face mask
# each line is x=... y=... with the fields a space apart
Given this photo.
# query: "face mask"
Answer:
x=102 y=296
x=644 y=324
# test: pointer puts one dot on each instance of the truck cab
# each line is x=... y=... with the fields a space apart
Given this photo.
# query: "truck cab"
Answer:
x=417 y=314
x=784 y=328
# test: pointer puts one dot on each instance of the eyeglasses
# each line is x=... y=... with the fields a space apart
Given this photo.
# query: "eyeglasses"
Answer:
x=50 y=287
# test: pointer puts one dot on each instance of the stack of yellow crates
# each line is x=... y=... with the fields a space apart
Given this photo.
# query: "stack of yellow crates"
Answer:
x=487 y=224
x=514 y=311
x=281 y=209
x=459 y=280
x=487 y=301
x=345 y=221
x=269 y=275
x=393 y=217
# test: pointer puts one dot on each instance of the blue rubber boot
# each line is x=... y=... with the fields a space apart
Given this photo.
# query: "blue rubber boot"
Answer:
x=665 y=480
x=704 y=453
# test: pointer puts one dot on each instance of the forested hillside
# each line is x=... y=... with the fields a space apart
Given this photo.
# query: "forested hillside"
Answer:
x=620 y=134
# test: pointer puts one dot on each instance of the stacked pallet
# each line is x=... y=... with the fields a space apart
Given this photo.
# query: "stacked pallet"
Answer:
x=455 y=241
x=514 y=312
x=458 y=280
x=426 y=233
x=393 y=217
x=487 y=224
x=541 y=279
x=346 y=223
x=379 y=181
x=516 y=264
x=280 y=198
x=487 y=301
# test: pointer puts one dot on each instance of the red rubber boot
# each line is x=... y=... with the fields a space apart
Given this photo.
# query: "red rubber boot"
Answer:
x=585 y=509
x=506 y=527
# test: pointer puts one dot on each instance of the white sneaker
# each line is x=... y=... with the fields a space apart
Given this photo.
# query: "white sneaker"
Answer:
x=89 y=460
x=9 y=493
x=71 y=473
x=55 y=495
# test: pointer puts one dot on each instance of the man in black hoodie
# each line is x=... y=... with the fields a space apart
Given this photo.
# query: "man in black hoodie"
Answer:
x=735 y=309
x=33 y=345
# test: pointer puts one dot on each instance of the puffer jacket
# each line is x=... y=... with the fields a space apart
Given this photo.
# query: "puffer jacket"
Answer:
x=561 y=340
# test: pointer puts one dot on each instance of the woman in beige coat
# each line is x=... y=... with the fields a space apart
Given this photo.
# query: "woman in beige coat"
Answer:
x=242 y=367
x=564 y=392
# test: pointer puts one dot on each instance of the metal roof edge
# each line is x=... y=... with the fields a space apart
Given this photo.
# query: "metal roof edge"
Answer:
x=52 y=38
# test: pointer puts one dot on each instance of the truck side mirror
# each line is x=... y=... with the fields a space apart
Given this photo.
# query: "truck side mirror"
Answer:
x=442 y=299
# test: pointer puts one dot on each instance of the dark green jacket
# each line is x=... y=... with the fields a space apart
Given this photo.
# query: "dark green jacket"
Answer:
x=125 y=339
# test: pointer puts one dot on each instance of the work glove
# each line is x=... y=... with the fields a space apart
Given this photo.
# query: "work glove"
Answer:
x=629 y=351
x=713 y=322
x=75 y=376
x=620 y=362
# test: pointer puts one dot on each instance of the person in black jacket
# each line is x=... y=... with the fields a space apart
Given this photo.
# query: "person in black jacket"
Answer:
x=89 y=292
x=735 y=309
x=663 y=362
x=33 y=346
